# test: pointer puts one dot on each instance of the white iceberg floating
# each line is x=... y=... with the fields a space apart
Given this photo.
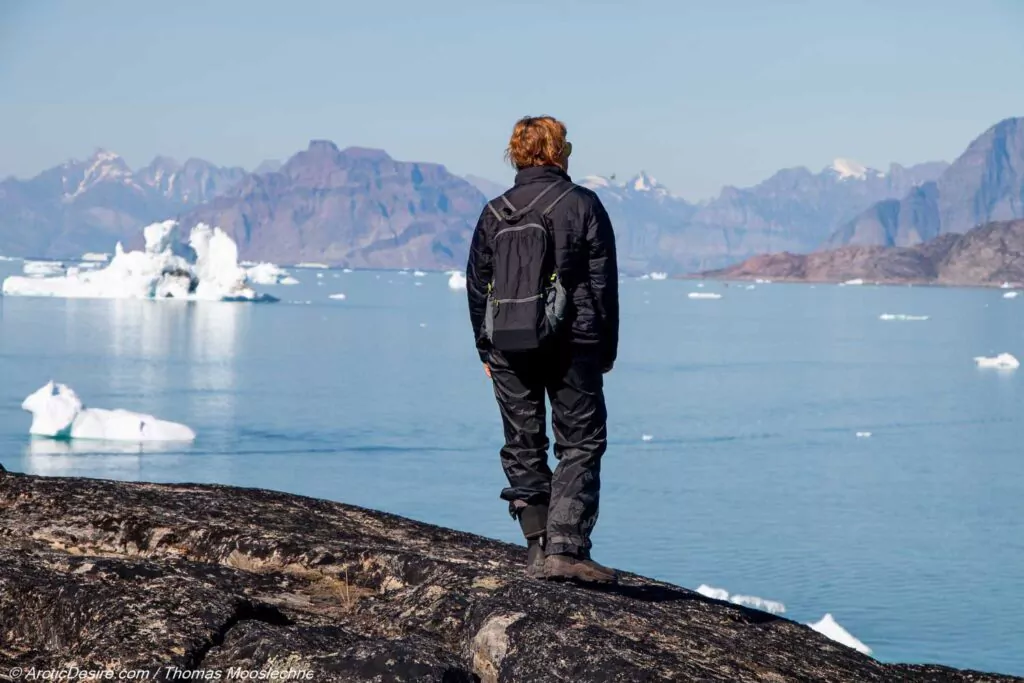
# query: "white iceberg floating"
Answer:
x=58 y=413
x=704 y=295
x=418 y=273
x=762 y=281
x=646 y=437
x=831 y=629
x=306 y=264
x=1004 y=361
x=854 y=282
x=95 y=257
x=645 y=276
x=339 y=296
x=750 y=287
x=1011 y=295
x=457 y=281
x=269 y=274
x=773 y=606
x=659 y=276
x=1006 y=285
x=43 y=268
x=901 y=316
x=346 y=270
x=154 y=273
x=863 y=435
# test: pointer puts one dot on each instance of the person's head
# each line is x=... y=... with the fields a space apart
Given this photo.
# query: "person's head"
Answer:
x=538 y=141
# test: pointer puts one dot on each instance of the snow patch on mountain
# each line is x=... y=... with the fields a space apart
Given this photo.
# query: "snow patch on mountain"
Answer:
x=848 y=168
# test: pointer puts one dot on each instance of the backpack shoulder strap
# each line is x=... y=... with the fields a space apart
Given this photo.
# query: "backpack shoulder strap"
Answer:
x=495 y=211
x=517 y=214
x=559 y=198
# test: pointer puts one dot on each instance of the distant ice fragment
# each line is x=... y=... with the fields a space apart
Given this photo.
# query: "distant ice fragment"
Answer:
x=339 y=296
x=457 y=281
x=346 y=270
x=42 y=268
x=1011 y=295
x=95 y=257
x=647 y=437
x=853 y=282
x=773 y=606
x=1006 y=285
x=645 y=276
x=901 y=316
x=704 y=295
x=1004 y=361
x=57 y=413
x=830 y=628
x=750 y=287
x=659 y=276
x=863 y=435
x=305 y=264
x=418 y=273
x=269 y=274
x=762 y=281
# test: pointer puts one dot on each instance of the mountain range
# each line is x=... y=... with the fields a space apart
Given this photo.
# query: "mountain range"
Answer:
x=360 y=207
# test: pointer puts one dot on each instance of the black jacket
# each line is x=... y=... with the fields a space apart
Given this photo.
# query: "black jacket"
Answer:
x=584 y=257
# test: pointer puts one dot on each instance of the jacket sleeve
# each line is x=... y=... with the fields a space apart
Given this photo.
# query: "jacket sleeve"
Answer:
x=604 y=279
x=479 y=272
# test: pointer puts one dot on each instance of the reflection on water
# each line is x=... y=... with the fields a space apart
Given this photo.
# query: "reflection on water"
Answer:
x=213 y=339
x=107 y=459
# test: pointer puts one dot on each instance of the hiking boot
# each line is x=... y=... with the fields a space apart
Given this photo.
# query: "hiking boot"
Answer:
x=572 y=568
x=535 y=558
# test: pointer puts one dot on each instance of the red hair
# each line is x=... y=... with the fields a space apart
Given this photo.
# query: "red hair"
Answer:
x=537 y=141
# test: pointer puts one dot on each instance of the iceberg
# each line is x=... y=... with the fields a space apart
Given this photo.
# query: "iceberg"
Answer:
x=772 y=606
x=750 y=287
x=418 y=273
x=269 y=274
x=57 y=413
x=42 y=268
x=457 y=281
x=704 y=295
x=154 y=273
x=339 y=297
x=1004 y=361
x=901 y=316
x=304 y=264
x=1011 y=295
x=831 y=629
x=659 y=276
x=346 y=270
x=646 y=437
x=95 y=258
x=863 y=435
x=762 y=281
x=853 y=282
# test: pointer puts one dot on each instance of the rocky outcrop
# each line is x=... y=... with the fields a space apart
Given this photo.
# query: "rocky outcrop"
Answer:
x=100 y=574
x=986 y=256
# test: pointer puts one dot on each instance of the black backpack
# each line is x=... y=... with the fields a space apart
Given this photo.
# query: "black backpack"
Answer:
x=526 y=299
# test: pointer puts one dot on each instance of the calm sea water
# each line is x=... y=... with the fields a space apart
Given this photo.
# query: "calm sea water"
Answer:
x=754 y=479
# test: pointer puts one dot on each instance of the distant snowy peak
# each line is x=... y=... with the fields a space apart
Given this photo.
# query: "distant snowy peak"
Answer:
x=645 y=183
x=104 y=167
x=642 y=183
x=848 y=168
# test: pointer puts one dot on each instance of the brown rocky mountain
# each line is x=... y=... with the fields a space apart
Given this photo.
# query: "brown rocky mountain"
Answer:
x=352 y=207
x=987 y=255
x=986 y=183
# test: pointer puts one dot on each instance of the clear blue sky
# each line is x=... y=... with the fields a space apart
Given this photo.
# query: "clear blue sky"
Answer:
x=700 y=94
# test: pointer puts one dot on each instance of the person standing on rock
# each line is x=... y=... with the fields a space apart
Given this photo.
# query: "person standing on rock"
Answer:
x=542 y=281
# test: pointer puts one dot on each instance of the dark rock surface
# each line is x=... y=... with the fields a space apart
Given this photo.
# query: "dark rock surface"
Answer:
x=140 y=576
x=986 y=256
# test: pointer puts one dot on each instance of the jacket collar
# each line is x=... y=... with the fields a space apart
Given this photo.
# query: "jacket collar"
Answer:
x=540 y=174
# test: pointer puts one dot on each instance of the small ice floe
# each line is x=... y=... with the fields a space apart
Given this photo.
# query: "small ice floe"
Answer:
x=1006 y=285
x=645 y=276
x=269 y=274
x=419 y=284
x=301 y=303
x=57 y=413
x=43 y=268
x=418 y=273
x=659 y=276
x=831 y=629
x=457 y=281
x=423 y=324
x=1011 y=295
x=704 y=295
x=863 y=435
x=307 y=264
x=1004 y=361
x=762 y=281
x=95 y=257
x=346 y=270
x=852 y=283
x=901 y=316
x=646 y=437
x=750 y=287
x=753 y=601
x=338 y=297
x=8 y=258
x=319 y=276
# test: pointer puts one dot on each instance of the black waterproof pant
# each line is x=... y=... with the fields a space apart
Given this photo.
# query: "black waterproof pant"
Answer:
x=571 y=377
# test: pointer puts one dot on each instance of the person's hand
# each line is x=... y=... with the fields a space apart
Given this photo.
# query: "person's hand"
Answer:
x=487 y=370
